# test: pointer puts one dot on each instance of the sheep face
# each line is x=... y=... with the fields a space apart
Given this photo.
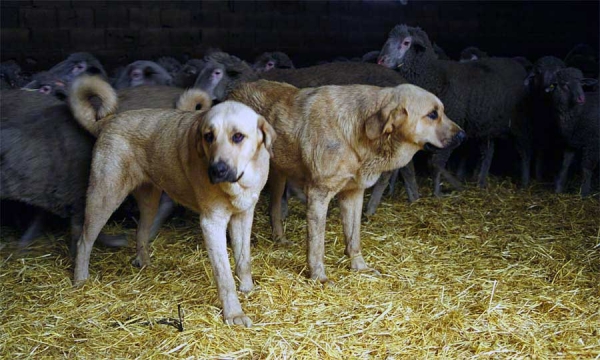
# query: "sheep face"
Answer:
x=143 y=72
x=77 y=64
x=213 y=79
x=567 y=89
x=544 y=73
x=403 y=43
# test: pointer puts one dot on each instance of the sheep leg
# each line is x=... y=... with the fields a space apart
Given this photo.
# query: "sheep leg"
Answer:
x=439 y=160
x=410 y=181
x=34 y=230
x=165 y=209
x=487 y=153
x=588 y=165
x=561 y=180
x=525 y=166
x=377 y=192
x=393 y=180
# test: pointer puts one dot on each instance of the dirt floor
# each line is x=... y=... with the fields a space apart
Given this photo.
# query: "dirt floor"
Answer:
x=497 y=273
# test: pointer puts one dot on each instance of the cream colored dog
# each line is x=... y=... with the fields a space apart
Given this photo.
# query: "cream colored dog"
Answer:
x=214 y=162
x=338 y=140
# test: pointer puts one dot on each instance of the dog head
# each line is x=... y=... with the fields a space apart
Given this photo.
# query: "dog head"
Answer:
x=231 y=135
x=412 y=115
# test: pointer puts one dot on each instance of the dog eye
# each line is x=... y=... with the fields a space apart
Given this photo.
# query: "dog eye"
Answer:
x=237 y=138
x=209 y=137
x=433 y=115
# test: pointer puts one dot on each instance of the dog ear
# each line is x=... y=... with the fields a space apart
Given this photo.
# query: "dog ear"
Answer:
x=385 y=120
x=197 y=130
x=268 y=134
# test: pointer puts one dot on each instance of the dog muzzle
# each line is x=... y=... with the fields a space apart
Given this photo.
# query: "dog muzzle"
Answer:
x=219 y=172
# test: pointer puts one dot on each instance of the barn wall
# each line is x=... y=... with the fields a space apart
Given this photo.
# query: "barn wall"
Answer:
x=122 y=31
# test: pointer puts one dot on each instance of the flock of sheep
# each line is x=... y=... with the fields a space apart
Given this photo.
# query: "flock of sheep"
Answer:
x=549 y=108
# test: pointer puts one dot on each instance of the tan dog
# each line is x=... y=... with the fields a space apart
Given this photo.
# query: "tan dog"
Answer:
x=214 y=162
x=338 y=140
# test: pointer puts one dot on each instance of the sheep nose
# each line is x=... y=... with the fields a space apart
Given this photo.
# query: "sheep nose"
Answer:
x=581 y=99
x=218 y=171
x=381 y=60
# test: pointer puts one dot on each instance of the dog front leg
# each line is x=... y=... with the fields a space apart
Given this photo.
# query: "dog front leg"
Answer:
x=240 y=228
x=316 y=216
x=214 y=233
x=350 y=204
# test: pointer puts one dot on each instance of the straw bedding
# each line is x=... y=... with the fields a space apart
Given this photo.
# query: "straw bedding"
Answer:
x=501 y=273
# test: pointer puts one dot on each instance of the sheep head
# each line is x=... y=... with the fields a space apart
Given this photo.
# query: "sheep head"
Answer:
x=402 y=43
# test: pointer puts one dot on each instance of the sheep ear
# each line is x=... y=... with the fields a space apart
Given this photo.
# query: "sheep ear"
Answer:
x=385 y=121
x=268 y=134
x=589 y=82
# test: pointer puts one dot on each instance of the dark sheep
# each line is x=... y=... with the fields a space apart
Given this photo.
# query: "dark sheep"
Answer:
x=170 y=64
x=272 y=60
x=47 y=83
x=56 y=80
x=441 y=54
x=186 y=76
x=578 y=116
x=370 y=57
x=585 y=58
x=472 y=53
x=546 y=136
x=143 y=72
x=45 y=158
x=77 y=64
x=525 y=62
x=485 y=97
x=11 y=76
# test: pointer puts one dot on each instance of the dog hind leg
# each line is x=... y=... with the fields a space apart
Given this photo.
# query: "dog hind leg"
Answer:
x=102 y=200
x=148 y=199
x=277 y=188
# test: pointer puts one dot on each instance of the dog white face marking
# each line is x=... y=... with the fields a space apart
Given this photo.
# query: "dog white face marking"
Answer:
x=230 y=138
x=427 y=122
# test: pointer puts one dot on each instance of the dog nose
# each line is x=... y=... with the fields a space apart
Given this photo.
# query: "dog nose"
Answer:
x=218 y=172
x=459 y=137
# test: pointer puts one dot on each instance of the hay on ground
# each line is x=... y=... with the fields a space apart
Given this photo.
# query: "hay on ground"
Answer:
x=501 y=273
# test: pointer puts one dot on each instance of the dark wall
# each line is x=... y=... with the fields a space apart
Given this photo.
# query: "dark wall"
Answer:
x=122 y=31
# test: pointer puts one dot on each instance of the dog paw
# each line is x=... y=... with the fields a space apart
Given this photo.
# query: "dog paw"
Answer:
x=238 y=319
x=321 y=277
x=246 y=287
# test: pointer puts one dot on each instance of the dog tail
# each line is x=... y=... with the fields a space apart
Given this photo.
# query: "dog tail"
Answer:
x=194 y=100
x=82 y=91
